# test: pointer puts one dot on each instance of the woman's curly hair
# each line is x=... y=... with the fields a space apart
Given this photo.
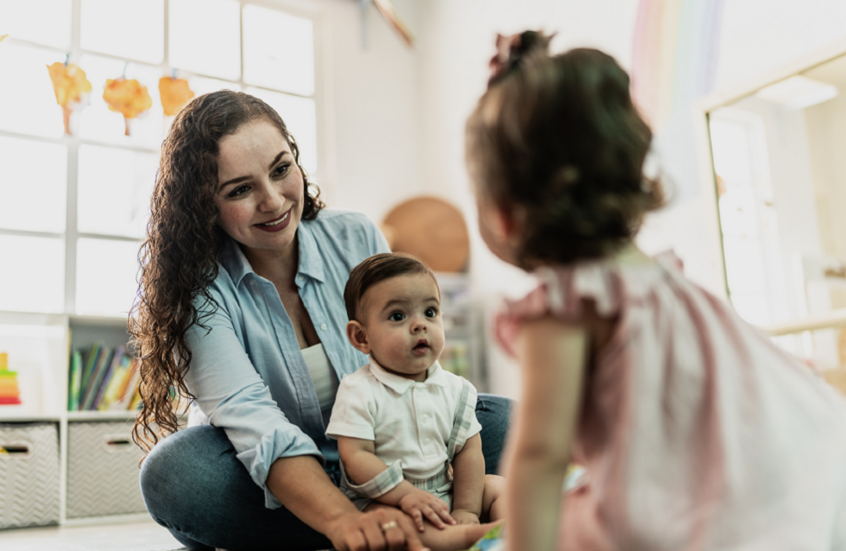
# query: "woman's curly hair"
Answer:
x=557 y=142
x=179 y=257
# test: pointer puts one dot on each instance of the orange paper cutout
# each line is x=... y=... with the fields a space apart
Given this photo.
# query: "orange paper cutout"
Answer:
x=69 y=83
x=127 y=97
x=174 y=93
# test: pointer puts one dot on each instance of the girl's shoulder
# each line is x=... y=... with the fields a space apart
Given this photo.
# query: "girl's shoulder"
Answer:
x=591 y=293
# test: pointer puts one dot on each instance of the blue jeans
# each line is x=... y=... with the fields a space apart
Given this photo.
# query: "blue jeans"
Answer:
x=195 y=487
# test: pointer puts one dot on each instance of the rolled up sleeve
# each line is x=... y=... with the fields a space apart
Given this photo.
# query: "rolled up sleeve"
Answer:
x=234 y=397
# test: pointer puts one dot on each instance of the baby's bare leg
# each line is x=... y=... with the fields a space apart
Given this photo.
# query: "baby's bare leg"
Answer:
x=493 y=502
x=451 y=538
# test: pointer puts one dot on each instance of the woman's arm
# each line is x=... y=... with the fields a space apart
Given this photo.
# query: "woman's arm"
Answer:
x=553 y=356
x=469 y=486
x=302 y=486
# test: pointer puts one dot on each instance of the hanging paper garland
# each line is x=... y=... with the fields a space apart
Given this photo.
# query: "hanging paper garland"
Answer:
x=69 y=85
x=174 y=93
x=127 y=97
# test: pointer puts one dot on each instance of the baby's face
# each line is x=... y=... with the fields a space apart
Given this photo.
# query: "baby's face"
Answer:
x=404 y=324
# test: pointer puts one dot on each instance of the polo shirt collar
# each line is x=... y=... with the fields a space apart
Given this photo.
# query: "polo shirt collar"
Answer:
x=434 y=376
x=234 y=261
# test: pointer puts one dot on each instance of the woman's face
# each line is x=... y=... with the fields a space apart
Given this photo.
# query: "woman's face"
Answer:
x=260 y=188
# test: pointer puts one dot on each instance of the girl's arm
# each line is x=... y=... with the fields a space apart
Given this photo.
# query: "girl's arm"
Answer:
x=302 y=486
x=469 y=473
x=361 y=465
x=553 y=355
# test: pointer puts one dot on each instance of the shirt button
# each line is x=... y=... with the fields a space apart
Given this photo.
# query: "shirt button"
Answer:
x=427 y=441
x=323 y=326
x=300 y=278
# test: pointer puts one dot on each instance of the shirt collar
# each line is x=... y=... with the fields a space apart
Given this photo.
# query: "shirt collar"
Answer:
x=311 y=261
x=236 y=264
x=434 y=376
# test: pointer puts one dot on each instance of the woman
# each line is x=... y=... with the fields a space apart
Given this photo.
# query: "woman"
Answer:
x=241 y=308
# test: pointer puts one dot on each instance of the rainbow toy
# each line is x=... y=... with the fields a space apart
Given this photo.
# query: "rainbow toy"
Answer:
x=10 y=394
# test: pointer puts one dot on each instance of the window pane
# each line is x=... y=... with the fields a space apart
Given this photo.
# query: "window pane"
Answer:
x=105 y=276
x=33 y=279
x=114 y=190
x=278 y=50
x=27 y=102
x=301 y=120
x=98 y=122
x=203 y=85
x=205 y=37
x=27 y=21
x=124 y=28
x=33 y=185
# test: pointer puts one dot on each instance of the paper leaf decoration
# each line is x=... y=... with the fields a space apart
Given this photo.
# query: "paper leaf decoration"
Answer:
x=69 y=85
x=127 y=97
x=174 y=93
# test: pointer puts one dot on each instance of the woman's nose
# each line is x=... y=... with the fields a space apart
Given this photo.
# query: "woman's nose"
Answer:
x=271 y=200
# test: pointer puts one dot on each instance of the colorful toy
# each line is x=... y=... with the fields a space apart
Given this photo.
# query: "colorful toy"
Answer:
x=9 y=392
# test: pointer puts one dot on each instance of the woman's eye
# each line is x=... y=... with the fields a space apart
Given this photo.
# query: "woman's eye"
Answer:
x=431 y=312
x=238 y=191
x=282 y=169
x=397 y=316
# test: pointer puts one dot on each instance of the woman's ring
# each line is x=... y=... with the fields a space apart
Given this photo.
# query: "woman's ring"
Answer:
x=389 y=526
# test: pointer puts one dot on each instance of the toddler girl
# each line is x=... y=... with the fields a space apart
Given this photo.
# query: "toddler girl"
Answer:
x=406 y=429
x=696 y=432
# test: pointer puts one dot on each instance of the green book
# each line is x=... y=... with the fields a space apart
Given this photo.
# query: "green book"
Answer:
x=74 y=380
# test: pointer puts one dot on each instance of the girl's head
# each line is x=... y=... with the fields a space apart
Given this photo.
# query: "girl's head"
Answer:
x=556 y=150
x=191 y=215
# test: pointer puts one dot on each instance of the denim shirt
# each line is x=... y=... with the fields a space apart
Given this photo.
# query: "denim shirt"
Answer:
x=247 y=371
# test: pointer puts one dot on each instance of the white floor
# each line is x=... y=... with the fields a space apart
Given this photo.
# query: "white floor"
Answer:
x=136 y=536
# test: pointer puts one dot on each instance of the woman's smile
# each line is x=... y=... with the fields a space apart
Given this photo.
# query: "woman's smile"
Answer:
x=278 y=224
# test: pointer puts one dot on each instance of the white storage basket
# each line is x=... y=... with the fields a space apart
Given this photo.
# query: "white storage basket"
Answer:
x=102 y=470
x=29 y=474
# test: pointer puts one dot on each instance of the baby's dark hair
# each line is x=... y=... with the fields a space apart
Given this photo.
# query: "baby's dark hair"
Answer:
x=375 y=269
x=557 y=142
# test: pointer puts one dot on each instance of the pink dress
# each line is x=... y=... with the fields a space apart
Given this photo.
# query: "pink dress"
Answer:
x=697 y=432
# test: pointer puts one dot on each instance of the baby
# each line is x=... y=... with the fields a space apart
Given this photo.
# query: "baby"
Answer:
x=406 y=429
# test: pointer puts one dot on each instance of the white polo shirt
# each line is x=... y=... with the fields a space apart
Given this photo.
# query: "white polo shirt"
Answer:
x=407 y=421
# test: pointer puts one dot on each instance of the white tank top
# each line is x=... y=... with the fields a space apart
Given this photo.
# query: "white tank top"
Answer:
x=322 y=375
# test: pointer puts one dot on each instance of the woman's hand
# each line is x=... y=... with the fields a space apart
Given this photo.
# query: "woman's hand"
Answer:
x=382 y=529
x=419 y=503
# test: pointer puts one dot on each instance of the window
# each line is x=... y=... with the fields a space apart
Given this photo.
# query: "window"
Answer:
x=74 y=208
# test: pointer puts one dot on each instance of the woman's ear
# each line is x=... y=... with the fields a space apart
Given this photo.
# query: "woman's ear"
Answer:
x=357 y=335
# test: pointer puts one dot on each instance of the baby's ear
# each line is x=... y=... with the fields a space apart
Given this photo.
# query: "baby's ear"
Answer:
x=357 y=335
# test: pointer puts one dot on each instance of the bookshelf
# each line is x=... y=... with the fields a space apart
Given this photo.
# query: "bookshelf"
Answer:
x=39 y=348
x=462 y=328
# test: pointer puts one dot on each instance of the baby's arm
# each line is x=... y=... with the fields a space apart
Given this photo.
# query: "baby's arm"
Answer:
x=469 y=484
x=361 y=465
x=553 y=355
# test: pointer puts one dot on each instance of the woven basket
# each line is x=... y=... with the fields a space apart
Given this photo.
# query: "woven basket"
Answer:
x=29 y=474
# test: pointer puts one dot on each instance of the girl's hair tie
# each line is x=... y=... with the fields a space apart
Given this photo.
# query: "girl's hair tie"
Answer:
x=511 y=50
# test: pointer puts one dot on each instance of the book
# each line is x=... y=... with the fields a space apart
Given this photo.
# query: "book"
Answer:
x=89 y=360
x=75 y=380
x=115 y=383
x=113 y=365
x=98 y=372
x=130 y=390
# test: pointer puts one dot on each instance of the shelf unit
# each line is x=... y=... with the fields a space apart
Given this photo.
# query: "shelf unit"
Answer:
x=39 y=348
x=462 y=328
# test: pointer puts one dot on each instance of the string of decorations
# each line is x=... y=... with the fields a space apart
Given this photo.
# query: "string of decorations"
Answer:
x=122 y=95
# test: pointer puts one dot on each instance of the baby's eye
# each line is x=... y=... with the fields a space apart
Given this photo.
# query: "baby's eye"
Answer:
x=431 y=312
x=396 y=316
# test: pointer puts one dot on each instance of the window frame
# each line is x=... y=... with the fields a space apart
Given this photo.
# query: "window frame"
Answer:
x=71 y=235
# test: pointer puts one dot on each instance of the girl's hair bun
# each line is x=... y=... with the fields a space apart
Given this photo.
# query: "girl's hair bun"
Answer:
x=512 y=50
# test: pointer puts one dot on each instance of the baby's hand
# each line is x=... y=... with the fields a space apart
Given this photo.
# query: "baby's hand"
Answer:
x=420 y=503
x=462 y=516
